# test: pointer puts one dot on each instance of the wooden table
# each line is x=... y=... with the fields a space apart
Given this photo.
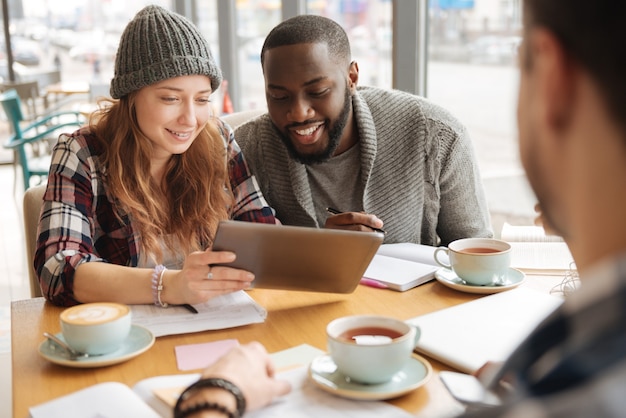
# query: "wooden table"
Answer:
x=294 y=318
x=67 y=87
x=57 y=94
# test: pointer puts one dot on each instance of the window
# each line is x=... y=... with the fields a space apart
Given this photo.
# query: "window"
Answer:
x=472 y=71
x=367 y=23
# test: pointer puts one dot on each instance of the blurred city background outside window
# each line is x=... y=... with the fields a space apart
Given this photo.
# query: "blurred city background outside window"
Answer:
x=79 y=37
x=471 y=70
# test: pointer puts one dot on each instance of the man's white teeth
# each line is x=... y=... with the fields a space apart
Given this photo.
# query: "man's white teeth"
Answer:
x=308 y=131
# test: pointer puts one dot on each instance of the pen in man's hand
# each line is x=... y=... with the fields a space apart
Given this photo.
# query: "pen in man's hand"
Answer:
x=334 y=211
x=190 y=308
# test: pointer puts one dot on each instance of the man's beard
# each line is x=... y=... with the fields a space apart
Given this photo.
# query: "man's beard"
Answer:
x=334 y=137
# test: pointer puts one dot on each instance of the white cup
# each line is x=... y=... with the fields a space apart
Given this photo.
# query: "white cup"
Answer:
x=478 y=261
x=96 y=328
x=370 y=349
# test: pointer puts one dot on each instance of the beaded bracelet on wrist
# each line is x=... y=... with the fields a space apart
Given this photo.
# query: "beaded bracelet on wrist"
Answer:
x=157 y=285
x=211 y=383
x=204 y=406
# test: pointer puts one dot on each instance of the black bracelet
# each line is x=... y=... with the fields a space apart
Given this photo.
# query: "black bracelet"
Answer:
x=204 y=406
x=211 y=383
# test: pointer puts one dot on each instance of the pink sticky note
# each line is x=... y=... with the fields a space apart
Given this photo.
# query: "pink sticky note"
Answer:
x=199 y=356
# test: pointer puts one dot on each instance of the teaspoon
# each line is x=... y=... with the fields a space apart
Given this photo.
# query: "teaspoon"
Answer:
x=73 y=353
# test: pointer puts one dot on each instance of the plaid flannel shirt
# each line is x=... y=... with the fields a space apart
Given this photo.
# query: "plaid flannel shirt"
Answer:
x=78 y=221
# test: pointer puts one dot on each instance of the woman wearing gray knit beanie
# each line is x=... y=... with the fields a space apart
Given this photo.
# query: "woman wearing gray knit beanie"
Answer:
x=133 y=200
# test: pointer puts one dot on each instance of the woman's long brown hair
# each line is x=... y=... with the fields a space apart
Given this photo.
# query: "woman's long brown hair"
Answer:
x=195 y=192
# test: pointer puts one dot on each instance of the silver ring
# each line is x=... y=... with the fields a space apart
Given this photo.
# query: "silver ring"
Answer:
x=210 y=275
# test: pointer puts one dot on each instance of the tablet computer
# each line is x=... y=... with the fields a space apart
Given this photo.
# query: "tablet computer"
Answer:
x=298 y=258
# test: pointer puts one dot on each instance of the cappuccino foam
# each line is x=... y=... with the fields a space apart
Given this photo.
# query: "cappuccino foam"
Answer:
x=94 y=313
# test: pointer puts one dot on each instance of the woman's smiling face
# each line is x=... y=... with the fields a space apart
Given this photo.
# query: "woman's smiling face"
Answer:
x=172 y=112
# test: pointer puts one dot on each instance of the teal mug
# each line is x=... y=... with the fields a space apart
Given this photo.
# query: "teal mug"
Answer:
x=478 y=261
x=370 y=349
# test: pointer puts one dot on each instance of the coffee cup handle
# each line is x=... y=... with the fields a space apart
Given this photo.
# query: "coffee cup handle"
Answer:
x=442 y=264
x=418 y=333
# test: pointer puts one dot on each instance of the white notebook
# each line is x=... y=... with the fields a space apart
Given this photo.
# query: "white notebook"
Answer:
x=468 y=335
x=535 y=252
x=402 y=266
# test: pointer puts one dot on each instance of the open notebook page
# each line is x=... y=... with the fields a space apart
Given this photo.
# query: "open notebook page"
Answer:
x=534 y=252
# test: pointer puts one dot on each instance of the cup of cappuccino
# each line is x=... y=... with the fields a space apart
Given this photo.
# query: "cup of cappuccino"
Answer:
x=478 y=261
x=96 y=328
x=370 y=349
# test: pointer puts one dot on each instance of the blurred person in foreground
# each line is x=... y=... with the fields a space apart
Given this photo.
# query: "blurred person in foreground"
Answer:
x=385 y=158
x=134 y=199
x=572 y=139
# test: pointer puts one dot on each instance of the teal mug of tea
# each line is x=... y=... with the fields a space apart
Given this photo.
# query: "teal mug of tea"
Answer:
x=370 y=349
x=478 y=261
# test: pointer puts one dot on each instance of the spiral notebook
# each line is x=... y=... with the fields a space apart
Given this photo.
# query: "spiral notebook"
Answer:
x=468 y=335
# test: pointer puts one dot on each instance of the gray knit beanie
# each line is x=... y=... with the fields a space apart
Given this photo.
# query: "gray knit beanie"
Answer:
x=159 y=44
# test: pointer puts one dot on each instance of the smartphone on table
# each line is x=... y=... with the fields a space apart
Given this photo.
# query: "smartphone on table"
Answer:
x=467 y=389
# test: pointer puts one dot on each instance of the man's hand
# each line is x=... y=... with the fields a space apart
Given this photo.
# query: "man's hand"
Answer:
x=355 y=221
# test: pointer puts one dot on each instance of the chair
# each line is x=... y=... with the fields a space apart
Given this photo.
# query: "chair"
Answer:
x=33 y=199
x=28 y=92
x=31 y=142
x=44 y=79
x=238 y=118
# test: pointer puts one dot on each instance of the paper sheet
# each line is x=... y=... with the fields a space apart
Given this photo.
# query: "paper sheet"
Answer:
x=96 y=402
x=199 y=356
x=413 y=252
x=468 y=335
x=534 y=252
x=526 y=233
x=226 y=311
x=305 y=399
x=541 y=258
x=308 y=401
x=161 y=392
x=300 y=355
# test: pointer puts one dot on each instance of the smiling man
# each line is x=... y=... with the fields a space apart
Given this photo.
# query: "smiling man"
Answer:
x=385 y=158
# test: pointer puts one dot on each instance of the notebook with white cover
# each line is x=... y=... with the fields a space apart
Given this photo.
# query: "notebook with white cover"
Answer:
x=535 y=252
x=402 y=266
x=468 y=335
x=399 y=274
x=419 y=253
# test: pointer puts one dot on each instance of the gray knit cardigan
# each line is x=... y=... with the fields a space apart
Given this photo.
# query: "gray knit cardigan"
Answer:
x=418 y=167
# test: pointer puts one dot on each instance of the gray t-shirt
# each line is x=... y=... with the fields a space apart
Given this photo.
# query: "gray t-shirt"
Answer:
x=337 y=184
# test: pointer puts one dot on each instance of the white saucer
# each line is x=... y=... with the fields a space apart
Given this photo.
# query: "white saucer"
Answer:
x=323 y=372
x=139 y=340
x=449 y=278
